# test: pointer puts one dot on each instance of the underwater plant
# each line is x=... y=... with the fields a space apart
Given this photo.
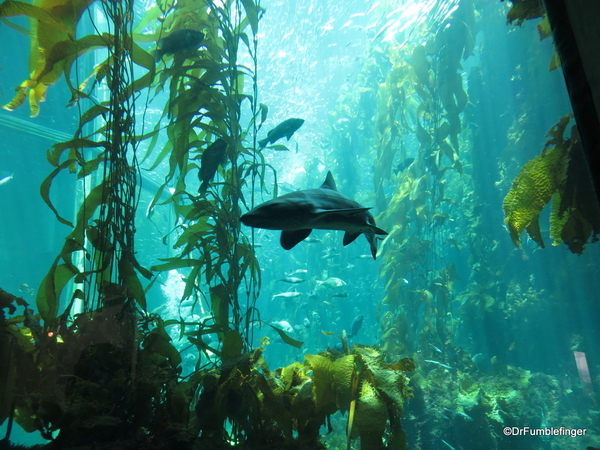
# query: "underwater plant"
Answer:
x=554 y=174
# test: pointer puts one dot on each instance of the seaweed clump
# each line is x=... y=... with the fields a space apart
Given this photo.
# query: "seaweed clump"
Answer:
x=555 y=174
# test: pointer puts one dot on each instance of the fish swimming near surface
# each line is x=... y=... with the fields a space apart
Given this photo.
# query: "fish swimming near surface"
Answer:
x=285 y=129
x=212 y=157
x=183 y=40
x=298 y=213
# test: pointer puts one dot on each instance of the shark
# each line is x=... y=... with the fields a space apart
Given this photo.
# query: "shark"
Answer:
x=297 y=213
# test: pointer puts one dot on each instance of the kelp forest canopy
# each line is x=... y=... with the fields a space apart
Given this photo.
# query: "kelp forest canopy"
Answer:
x=174 y=102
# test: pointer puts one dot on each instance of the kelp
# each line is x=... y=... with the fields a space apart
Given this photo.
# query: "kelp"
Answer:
x=74 y=380
x=553 y=175
x=523 y=10
x=419 y=128
x=205 y=100
x=53 y=44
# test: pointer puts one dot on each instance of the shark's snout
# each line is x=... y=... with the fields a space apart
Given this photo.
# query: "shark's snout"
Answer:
x=250 y=219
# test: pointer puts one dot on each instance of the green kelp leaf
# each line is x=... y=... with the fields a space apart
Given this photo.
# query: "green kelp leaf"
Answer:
x=175 y=263
x=132 y=282
x=219 y=299
x=139 y=84
x=252 y=13
x=10 y=8
x=233 y=344
x=158 y=343
x=45 y=190
x=95 y=198
x=523 y=10
x=555 y=62
x=90 y=166
x=90 y=115
x=421 y=65
x=141 y=57
x=58 y=149
x=536 y=183
x=544 y=28
x=288 y=340
x=264 y=111
x=48 y=295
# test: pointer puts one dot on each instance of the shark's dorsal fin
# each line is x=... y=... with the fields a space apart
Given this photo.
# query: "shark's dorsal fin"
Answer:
x=329 y=182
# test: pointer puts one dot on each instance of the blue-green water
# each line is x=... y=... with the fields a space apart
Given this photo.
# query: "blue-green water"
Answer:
x=498 y=333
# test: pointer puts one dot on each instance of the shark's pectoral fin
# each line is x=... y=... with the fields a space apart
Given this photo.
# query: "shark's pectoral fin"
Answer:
x=349 y=237
x=379 y=231
x=372 y=243
x=289 y=239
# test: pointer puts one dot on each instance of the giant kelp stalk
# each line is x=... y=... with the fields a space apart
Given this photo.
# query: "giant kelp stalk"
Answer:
x=419 y=133
x=206 y=138
x=116 y=220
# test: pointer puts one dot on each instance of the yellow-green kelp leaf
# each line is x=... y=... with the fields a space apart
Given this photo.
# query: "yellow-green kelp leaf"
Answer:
x=535 y=184
x=51 y=38
x=523 y=10
x=10 y=8
x=288 y=340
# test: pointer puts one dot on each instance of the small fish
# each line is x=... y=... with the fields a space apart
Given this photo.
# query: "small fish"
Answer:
x=340 y=295
x=306 y=322
x=332 y=282
x=212 y=157
x=287 y=295
x=356 y=324
x=365 y=256
x=405 y=164
x=458 y=413
x=448 y=445
x=329 y=304
x=283 y=325
x=297 y=272
x=6 y=179
x=445 y=366
x=184 y=40
x=330 y=253
x=285 y=129
x=437 y=349
x=292 y=280
x=25 y=289
x=312 y=240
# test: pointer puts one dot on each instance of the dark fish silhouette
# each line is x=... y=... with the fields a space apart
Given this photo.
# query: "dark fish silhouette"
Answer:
x=212 y=157
x=404 y=164
x=285 y=129
x=296 y=214
x=356 y=324
x=184 y=40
